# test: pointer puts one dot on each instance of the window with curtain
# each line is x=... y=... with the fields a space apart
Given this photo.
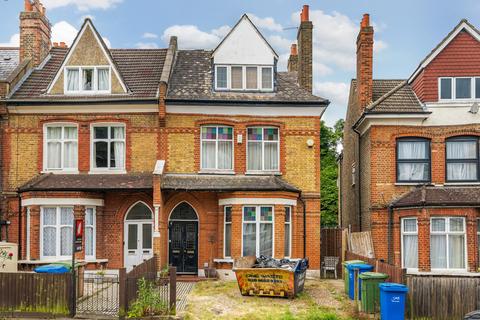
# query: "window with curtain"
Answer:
x=288 y=232
x=87 y=79
x=409 y=243
x=109 y=146
x=257 y=231
x=262 y=149
x=221 y=77
x=252 y=78
x=227 y=241
x=61 y=147
x=57 y=232
x=462 y=159
x=246 y=77
x=413 y=160
x=267 y=80
x=447 y=243
x=236 y=80
x=90 y=233
x=217 y=148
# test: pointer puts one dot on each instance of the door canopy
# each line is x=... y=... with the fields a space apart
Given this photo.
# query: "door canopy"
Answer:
x=140 y=211
x=183 y=211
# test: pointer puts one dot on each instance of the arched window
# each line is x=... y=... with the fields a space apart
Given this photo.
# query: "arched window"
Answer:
x=413 y=160
x=140 y=211
x=461 y=157
x=183 y=211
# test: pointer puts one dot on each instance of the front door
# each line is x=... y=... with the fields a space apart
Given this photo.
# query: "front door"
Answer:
x=183 y=251
x=138 y=243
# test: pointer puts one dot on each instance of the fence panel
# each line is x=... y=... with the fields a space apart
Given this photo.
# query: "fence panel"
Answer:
x=331 y=240
x=395 y=274
x=35 y=293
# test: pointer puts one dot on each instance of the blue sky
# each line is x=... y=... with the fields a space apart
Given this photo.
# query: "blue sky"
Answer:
x=405 y=31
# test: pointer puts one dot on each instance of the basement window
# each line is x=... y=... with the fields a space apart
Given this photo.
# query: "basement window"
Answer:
x=243 y=78
x=87 y=80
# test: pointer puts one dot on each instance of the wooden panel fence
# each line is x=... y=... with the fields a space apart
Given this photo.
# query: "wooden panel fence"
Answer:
x=35 y=293
x=331 y=240
x=442 y=297
x=395 y=274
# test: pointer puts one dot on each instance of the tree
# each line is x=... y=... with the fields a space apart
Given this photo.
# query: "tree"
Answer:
x=330 y=138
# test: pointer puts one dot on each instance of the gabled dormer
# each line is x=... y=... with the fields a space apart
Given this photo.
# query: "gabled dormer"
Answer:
x=450 y=74
x=88 y=68
x=244 y=60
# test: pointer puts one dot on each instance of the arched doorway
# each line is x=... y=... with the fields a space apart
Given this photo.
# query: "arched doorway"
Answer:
x=183 y=239
x=138 y=244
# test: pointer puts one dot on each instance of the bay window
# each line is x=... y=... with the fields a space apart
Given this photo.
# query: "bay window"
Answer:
x=409 y=243
x=288 y=232
x=227 y=240
x=413 y=160
x=262 y=149
x=108 y=144
x=447 y=243
x=217 y=148
x=257 y=231
x=56 y=232
x=462 y=159
x=458 y=88
x=95 y=79
x=60 y=147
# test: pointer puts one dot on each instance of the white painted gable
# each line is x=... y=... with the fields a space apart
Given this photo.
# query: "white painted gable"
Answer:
x=244 y=45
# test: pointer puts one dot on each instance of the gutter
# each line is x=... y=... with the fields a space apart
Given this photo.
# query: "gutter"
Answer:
x=313 y=104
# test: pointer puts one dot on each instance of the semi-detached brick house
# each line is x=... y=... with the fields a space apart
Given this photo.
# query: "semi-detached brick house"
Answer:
x=410 y=166
x=199 y=156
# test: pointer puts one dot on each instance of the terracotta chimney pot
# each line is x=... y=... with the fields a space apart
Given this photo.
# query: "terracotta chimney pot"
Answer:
x=293 y=49
x=305 y=16
x=365 y=21
x=55 y=44
x=28 y=5
x=62 y=44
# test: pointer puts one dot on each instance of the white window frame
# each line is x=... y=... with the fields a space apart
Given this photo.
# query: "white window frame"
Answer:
x=58 y=228
x=224 y=233
x=408 y=233
x=202 y=169
x=263 y=170
x=80 y=79
x=289 y=223
x=94 y=233
x=473 y=81
x=447 y=233
x=244 y=78
x=257 y=222
x=108 y=169
x=62 y=140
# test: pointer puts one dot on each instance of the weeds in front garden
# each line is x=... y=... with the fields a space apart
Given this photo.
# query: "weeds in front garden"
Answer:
x=149 y=301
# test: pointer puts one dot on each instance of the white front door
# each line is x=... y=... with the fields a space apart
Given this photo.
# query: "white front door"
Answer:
x=138 y=242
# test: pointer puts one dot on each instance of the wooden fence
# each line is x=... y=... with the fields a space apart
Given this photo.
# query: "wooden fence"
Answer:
x=442 y=297
x=395 y=274
x=331 y=240
x=35 y=293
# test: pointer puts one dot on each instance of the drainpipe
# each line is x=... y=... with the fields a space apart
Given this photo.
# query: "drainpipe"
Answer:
x=304 y=227
x=20 y=226
x=390 y=234
x=357 y=172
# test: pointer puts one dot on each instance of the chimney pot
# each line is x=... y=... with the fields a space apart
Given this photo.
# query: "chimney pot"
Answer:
x=55 y=44
x=293 y=49
x=28 y=5
x=365 y=21
x=305 y=16
x=62 y=44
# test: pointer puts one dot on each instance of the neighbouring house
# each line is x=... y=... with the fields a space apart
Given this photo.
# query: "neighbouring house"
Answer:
x=410 y=165
x=198 y=156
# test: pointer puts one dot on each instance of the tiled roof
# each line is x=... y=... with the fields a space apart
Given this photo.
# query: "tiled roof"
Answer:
x=192 y=80
x=185 y=182
x=9 y=59
x=439 y=196
x=392 y=96
x=140 y=68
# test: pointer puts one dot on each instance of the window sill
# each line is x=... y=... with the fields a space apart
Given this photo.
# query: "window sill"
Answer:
x=229 y=172
x=443 y=272
x=411 y=183
x=107 y=172
x=61 y=171
x=462 y=183
x=263 y=173
x=223 y=260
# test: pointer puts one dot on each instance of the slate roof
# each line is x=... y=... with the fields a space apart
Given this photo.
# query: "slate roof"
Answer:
x=184 y=182
x=439 y=197
x=140 y=68
x=392 y=96
x=192 y=80
x=9 y=60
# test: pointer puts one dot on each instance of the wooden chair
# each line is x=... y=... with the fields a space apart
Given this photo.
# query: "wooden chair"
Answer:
x=330 y=264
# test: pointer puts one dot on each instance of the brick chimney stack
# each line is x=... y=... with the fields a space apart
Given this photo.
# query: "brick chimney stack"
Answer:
x=293 y=59
x=35 y=32
x=305 y=55
x=365 y=62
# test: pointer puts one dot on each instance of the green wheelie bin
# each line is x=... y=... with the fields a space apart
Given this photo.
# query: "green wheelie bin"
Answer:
x=345 y=272
x=370 y=290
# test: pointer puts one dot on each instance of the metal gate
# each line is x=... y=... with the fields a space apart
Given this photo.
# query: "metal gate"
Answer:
x=98 y=294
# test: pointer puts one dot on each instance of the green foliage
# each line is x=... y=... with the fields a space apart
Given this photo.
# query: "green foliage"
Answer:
x=330 y=138
x=149 y=301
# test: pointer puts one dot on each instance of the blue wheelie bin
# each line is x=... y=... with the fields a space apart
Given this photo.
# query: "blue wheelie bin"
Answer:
x=361 y=267
x=392 y=301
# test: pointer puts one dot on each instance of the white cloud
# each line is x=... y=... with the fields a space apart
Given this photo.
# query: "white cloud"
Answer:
x=82 y=5
x=190 y=37
x=267 y=23
x=64 y=32
x=337 y=93
x=149 y=35
x=222 y=31
x=13 y=42
x=146 y=45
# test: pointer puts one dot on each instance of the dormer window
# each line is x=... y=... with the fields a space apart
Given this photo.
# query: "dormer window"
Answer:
x=459 y=88
x=244 y=78
x=87 y=80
